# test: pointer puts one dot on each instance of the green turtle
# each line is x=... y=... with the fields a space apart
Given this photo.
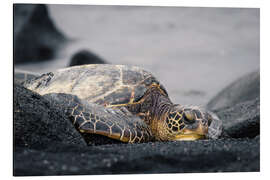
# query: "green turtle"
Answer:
x=122 y=102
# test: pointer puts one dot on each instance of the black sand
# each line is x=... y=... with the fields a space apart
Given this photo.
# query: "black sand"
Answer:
x=224 y=155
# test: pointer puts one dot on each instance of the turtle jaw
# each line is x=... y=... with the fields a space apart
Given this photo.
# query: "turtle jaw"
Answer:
x=189 y=137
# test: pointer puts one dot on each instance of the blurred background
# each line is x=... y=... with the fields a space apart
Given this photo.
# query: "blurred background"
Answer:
x=194 y=52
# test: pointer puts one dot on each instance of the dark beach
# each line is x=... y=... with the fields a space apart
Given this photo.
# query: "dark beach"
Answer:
x=227 y=155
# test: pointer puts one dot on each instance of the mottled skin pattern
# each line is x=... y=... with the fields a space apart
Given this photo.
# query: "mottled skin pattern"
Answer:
x=127 y=90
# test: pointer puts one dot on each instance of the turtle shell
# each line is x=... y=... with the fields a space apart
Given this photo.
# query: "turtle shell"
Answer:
x=98 y=83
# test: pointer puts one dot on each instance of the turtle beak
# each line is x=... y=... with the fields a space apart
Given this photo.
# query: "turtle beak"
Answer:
x=191 y=135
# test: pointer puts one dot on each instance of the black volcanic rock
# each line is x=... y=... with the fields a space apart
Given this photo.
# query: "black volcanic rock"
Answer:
x=243 y=89
x=85 y=57
x=35 y=36
x=238 y=107
x=241 y=120
x=37 y=124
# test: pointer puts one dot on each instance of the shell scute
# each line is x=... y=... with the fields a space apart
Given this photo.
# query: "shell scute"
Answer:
x=131 y=75
x=139 y=92
x=119 y=96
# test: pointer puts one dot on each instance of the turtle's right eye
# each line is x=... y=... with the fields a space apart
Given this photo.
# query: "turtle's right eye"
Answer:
x=189 y=117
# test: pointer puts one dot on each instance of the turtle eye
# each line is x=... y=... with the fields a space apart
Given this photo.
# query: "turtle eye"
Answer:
x=189 y=116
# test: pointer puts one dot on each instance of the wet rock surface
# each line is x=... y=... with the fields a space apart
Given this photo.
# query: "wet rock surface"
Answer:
x=36 y=37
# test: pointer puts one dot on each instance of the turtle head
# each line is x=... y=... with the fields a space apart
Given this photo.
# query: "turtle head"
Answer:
x=187 y=123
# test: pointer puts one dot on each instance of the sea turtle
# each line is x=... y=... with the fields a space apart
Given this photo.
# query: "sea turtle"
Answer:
x=121 y=102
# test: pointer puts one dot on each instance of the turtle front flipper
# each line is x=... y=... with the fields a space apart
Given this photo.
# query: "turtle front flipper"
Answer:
x=97 y=119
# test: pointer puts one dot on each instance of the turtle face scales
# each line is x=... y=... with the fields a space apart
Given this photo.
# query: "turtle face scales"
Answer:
x=186 y=123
